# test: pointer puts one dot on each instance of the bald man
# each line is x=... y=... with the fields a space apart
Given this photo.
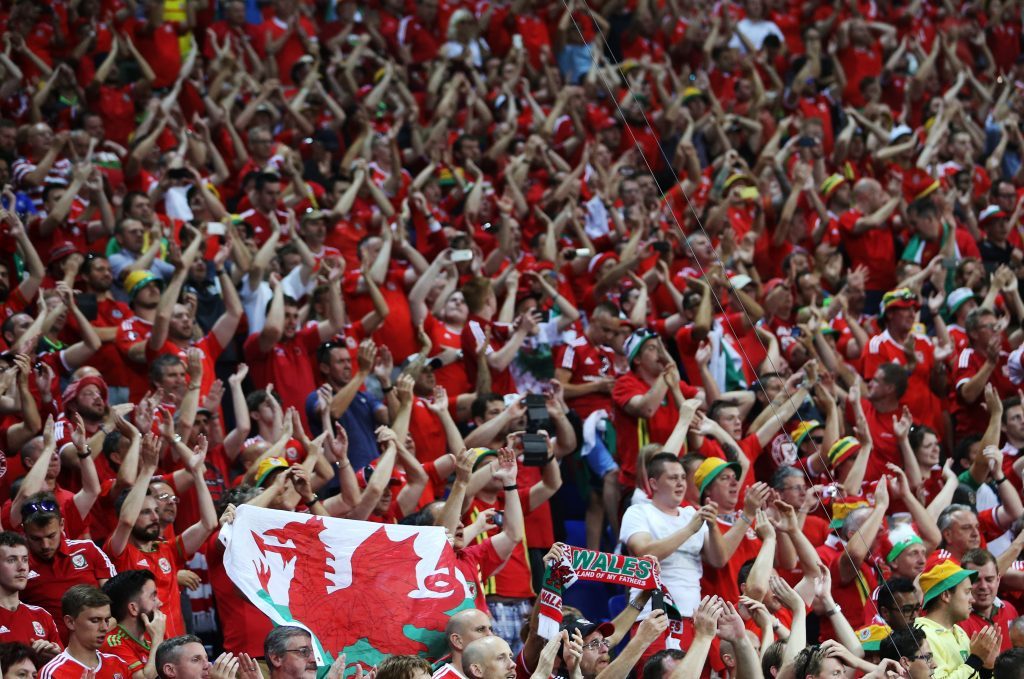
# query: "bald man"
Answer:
x=462 y=629
x=488 y=658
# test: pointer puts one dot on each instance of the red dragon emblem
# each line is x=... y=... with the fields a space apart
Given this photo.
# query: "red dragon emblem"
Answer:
x=376 y=609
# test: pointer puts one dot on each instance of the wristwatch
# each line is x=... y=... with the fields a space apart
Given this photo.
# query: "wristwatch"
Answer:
x=636 y=604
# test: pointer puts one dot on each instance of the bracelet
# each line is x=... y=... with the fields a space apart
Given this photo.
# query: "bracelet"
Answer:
x=177 y=438
x=836 y=610
x=87 y=453
x=1001 y=481
x=514 y=486
x=221 y=272
x=194 y=387
x=387 y=390
x=636 y=604
x=744 y=517
x=313 y=500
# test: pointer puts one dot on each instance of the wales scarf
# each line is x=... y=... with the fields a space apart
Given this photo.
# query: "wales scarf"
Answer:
x=586 y=564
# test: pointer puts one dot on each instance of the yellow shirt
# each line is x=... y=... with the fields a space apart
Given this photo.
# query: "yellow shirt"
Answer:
x=951 y=648
x=174 y=12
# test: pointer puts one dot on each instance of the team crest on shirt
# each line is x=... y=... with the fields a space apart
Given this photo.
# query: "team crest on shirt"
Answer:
x=116 y=313
x=164 y=564
x=472 y=589
x=79 y=562
x=351 y=343
x=37 y=627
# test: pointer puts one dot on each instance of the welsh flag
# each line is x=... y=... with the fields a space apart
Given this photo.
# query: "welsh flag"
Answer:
x=365 y=589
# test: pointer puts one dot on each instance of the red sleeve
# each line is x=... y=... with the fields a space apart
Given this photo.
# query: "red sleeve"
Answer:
x=626 y=389
x=211 y=346
x=990 y=529
x=847 y=220
x=963 y=370
x=251 y=348
x=483 y=556
x=103 y=568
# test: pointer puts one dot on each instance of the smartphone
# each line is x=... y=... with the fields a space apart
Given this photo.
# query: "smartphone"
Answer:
x=517 y=41
x=179 y=173
x=87 y=304
x=661 y=247
x=216 y=229
x=462 y=255
x=657 y=600
x=498 y=519
x=750 y=193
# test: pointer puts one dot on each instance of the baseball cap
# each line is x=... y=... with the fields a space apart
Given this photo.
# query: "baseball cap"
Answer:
x=899 y=131
x=990 y=213
x=691 y=93
x=364 y=475
x=268 y=466
x=573 y=624
x=944 y=575
x=709 y=470
x=137 y=280
x=740 y=281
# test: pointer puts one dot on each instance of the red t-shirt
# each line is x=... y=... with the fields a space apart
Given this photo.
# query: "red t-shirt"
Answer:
x=723 y=581
x=136 y=375
x=972 y=417
x=1002 y=615
x=26 y=624
x=474 y=336
x=874 y=249
x=514 y=580
x=923 y=403
x=66 y=667
x=244 y=626
x=165 y=562
x=396 y=332
x=632 y=433
x=289 y=365
x=587 y=363
x=134 y=652
x=76 y=562
x=477 y=563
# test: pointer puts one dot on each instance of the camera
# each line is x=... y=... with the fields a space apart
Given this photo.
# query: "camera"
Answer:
x=536 y=414
x=535 y=450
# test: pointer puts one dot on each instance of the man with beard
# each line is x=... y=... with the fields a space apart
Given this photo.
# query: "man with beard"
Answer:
x=135 y=605
x=19 y=621
x=137 y=539
x=12 y=302
x=987 y=609
x=98 y=279
x=43 y=464
x=56 y=563
x=86 y=612
x=85 y=401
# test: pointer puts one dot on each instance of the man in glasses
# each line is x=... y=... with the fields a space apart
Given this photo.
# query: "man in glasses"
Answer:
x=55 y=562
x=909 y=647
x=899 y=604
x=289 y=653
x=981 y=362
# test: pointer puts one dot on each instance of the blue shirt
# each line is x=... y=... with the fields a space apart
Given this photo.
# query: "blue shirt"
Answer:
x=358 y=422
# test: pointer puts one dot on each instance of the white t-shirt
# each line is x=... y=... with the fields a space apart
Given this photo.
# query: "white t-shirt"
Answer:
x=682 y=570
x=755 y=32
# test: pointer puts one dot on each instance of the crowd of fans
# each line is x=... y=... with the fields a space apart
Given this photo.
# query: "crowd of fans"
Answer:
x=731 y=285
